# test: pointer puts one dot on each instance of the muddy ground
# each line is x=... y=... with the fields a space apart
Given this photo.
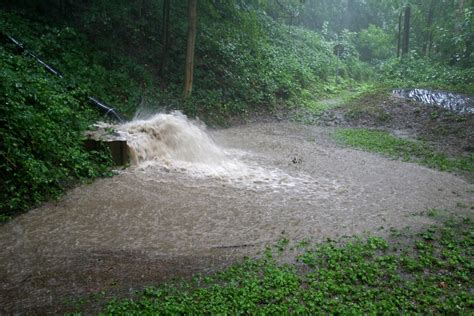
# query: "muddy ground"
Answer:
x=149 y=225
x=446 y=131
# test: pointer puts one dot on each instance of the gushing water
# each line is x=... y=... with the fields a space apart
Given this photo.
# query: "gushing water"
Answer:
x=172 y=142
x=169 y=138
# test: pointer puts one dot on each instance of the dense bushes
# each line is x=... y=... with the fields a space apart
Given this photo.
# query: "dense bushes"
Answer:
x=424 y=72
x=374 y=44
x=110 y=77
x=244 y=59
x=41 y=124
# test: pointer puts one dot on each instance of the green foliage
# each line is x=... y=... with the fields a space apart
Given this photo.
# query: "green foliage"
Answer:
x=42 y=121
x=374 y=44
x=267 y=65
x=439 y=29
x=244 y=59
x=424 y=72
x=432 y=274
x=408 y=150
x=111 y=78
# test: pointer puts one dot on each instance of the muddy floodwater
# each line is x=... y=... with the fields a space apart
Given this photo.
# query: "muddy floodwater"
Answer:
x=197 y=200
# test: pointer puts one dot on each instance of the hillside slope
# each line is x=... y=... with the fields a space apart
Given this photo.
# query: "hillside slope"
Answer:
x=244 y=61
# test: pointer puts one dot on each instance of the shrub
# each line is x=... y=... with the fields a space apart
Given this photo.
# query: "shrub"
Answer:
x=41 y=131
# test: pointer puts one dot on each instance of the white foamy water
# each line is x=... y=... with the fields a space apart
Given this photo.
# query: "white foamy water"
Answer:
x=173 y=143
x=170 y=138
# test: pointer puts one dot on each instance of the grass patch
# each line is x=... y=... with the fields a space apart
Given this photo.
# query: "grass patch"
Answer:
x=432 y=273
x=407 y=150
x=310 y=104
x=367 y=104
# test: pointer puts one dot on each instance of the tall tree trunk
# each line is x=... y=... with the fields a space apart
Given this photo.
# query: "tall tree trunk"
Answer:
x=429 y=31
x=399 y=43
x=406 y=30
x=192 y=21
x=460 y=20
x=165 y=36
x=350 y=11
x=460 y=11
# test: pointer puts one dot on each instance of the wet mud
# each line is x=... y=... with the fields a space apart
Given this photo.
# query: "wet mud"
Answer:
x=444 y=130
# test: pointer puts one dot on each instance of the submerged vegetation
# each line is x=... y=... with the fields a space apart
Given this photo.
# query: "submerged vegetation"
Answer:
x=431 y=272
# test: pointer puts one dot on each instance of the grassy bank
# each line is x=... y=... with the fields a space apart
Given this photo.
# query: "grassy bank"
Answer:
x=408 y=150
x=428 y=272
x=41 y=130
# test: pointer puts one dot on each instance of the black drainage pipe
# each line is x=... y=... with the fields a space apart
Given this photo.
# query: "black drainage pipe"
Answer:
x=107 y=110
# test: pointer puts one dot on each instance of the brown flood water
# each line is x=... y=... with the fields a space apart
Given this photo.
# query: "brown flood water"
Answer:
x=189 y=205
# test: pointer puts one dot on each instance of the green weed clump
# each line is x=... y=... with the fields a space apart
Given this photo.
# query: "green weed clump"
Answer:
x=408 y=150
x=430 y=275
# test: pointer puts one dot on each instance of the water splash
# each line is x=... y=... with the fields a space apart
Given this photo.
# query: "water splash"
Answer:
x=169 y=138
x=166 y=143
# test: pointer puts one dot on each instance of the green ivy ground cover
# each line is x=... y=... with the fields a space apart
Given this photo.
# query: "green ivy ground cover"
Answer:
x=431 y=272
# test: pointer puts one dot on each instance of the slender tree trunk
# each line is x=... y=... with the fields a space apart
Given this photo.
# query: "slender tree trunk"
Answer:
x=350 y=10
x=466 y=50
x=461 y=5
x=192 y=21
x=429 y=31
x=399 y=43
x=165 y=36
x=406 y=31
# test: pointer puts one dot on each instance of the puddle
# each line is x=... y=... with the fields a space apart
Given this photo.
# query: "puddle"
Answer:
x=458 y=103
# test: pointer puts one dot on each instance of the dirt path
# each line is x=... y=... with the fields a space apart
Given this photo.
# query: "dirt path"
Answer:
x=151 y=224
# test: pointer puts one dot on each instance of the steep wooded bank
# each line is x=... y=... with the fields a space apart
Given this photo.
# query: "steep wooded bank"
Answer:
x=243 y=62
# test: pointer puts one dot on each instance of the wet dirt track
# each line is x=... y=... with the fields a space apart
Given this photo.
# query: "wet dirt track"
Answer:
x=153 y=223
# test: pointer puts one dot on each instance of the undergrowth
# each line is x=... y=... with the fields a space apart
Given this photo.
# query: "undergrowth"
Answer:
x=432 y=274
x=41 y=130
x=422 y=72
x=408 y=150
